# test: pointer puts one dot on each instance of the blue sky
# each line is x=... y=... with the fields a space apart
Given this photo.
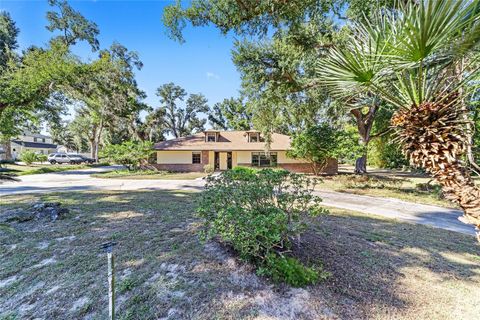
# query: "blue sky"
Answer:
x=202 y=64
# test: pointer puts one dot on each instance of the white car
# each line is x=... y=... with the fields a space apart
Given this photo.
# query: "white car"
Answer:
x=54 y=158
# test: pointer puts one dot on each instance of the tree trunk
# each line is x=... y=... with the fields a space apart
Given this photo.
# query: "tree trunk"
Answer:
x=361 y=165
x=364 y=126
x=98 y=138
x=433 y=137
x=93 y=147
x=7 y=146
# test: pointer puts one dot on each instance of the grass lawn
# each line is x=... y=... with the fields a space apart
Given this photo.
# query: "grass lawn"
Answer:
x=149 y=175
x=389 y=184
x=381 y=268
x=21 y=170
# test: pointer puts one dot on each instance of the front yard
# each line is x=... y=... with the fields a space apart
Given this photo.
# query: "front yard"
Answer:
x=380 y=268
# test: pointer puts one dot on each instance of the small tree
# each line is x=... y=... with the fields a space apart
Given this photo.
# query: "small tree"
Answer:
x=320 y=143
x=131 y=154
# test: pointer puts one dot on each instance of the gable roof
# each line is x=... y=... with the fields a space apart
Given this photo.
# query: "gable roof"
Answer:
x=227 y=141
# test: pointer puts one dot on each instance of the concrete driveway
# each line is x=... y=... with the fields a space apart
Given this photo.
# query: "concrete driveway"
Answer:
x=80 y=180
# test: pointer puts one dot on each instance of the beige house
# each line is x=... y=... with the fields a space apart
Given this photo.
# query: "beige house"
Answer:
x=37 y=143
x=227 y=149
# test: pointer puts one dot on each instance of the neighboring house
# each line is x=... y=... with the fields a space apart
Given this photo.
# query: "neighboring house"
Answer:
x=37 y=143
x=227 y=149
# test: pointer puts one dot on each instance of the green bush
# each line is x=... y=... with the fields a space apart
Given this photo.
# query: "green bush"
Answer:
x=42 y=157
x=291 y=271
x=384 y=152
x=257 y=212
x=29 y=157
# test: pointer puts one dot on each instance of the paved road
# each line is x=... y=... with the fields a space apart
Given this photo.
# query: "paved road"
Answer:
x=80 y=180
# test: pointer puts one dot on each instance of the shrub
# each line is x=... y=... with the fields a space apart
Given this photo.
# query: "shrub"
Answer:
x=290 y=270
x=29 y=157
x=385 y=152
x=208 y=168
x=42 y=157
x=257 y=212
x=369 y=182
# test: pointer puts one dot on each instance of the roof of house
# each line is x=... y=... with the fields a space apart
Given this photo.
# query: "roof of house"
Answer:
x=39 y=145
x=227 y=141
x=35 y=135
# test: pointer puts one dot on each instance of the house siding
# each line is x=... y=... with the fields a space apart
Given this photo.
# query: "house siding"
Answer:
x=180 y=161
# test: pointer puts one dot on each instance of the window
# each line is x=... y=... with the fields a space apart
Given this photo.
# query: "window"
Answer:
x=196 y=157
x=211 y=137
x=254 y=137
x=43 y=139
x=35 y=140
x=260 y=159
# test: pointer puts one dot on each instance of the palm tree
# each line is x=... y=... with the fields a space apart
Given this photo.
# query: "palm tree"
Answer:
x=414 y=58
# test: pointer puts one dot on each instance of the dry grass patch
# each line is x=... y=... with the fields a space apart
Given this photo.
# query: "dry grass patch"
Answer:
x=381 y=269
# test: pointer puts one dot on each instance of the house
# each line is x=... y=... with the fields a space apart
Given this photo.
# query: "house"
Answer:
x=37 y=143
x=227 y=149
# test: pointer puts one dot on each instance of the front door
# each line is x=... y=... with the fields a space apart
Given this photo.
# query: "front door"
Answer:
x=217 y=161
x=229 y=160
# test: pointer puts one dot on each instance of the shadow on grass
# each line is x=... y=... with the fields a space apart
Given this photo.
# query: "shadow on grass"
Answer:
x=162 y=267
x=370 y=258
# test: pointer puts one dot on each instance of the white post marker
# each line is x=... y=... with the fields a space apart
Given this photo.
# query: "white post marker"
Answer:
x=108 y=248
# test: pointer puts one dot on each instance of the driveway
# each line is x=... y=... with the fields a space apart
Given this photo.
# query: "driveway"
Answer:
x=438 y=217
x=80 y=180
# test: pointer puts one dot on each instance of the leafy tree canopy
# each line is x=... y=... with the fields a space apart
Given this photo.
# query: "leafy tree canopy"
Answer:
x=257 y=18
x=72 y=25
x=131 y=154
x=8 y=38
x=182 y=121
x=230 y=114
x=319 y=143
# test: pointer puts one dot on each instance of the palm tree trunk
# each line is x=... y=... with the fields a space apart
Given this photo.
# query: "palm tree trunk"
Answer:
x=434 y=137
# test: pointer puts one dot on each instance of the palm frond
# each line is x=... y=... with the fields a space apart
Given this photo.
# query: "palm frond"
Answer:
x=401 y=55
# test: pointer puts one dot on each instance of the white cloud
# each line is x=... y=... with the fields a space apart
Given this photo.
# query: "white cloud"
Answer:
x=211 y=75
